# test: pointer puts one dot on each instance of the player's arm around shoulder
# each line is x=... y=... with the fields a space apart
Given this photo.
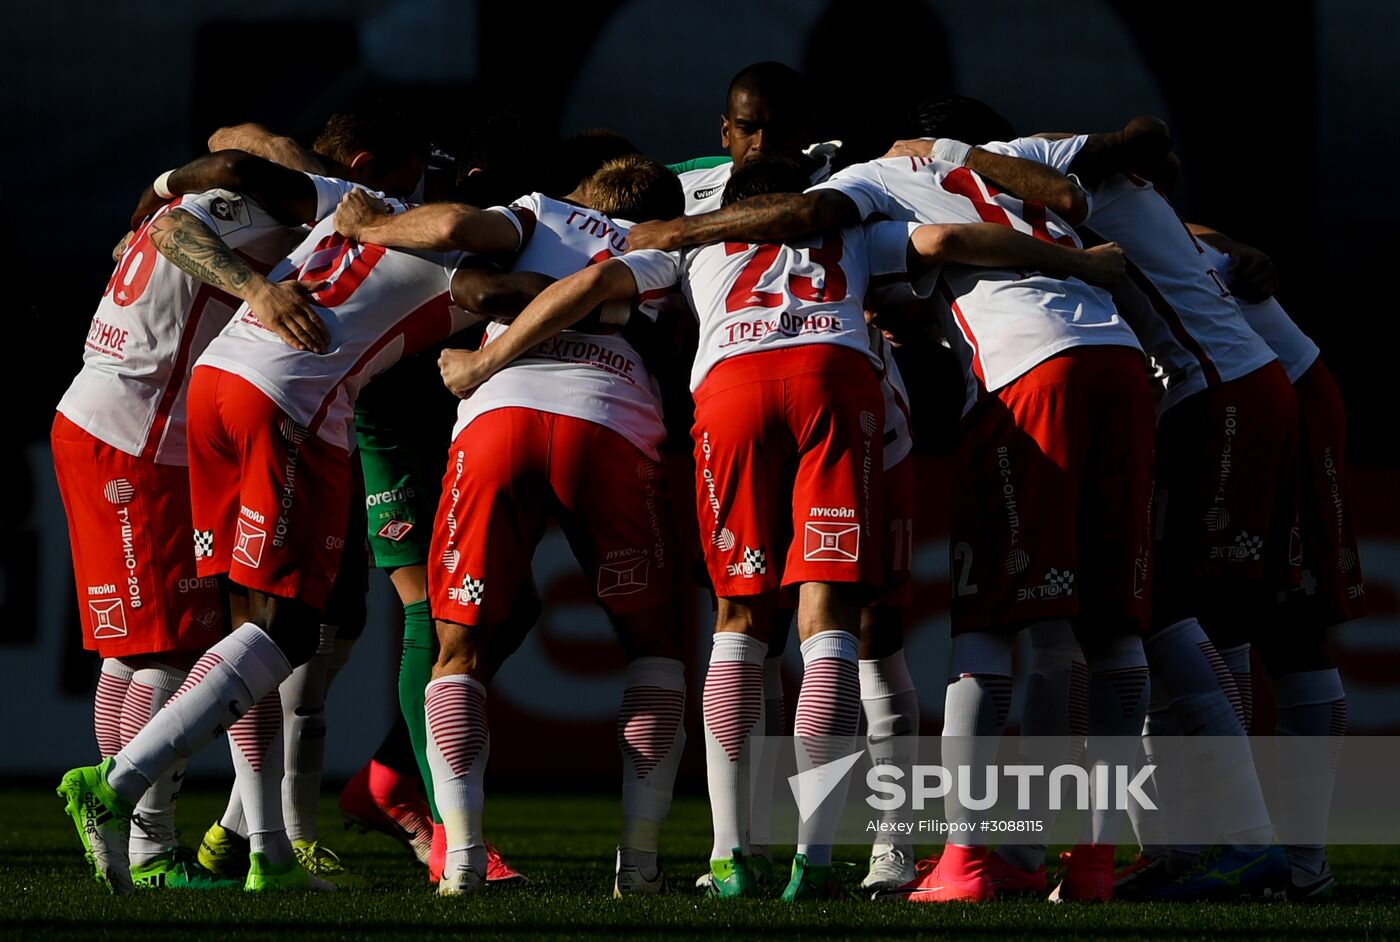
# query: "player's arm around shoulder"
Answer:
x=556 y=308
x=285 y=308
x=437 y=227
x=987 y=245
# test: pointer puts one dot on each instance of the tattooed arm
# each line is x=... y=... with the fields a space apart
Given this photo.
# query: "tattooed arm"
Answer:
x=775 y=217
x=284 y=308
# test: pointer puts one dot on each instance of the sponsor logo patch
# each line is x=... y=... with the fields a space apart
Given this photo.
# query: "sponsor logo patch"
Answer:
x=624 y=578
x=108 y=618
x=119 y=491
x=203 y=544
x=395 y=530
x=831 y=542
x=248 y=547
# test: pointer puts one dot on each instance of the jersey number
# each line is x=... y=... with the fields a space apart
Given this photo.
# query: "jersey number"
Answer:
x=134 y=270
x=826 y=257
x=964 y=184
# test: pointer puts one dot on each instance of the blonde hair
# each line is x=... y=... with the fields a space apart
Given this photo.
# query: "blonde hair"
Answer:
x=637 y=189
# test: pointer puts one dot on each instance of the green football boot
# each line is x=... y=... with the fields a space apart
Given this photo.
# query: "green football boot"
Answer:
x=810 y=882
x=177 y=869
x=731 y=878
x=325 y=863
x=103 y=820
x=266 y=877
x=224 y=853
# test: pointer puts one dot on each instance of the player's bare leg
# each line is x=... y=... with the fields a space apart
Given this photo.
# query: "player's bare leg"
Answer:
x=651 y=735
x=825 y=721
x=891 y=708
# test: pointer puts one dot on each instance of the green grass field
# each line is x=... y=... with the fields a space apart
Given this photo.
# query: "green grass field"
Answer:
x=566 y=847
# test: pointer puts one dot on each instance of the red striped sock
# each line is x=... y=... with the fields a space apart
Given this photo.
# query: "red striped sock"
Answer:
x=112 y=685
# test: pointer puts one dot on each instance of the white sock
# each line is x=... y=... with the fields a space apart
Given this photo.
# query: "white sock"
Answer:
x=764 y=762
x=825 y=723
x=1118 y=694
x=231 y=676
x=1223 y=795
x=112 y=684
x=891 y=707
x=1237 y=660
x=1055 y=709
x=1161 y=723
x=651 y=735
x=732 y=705
x=304 y=720
x=233 y=819
x=1310 y=704
x=976 y=702
x=153 y=824
x=259 y=753
x=459 y=743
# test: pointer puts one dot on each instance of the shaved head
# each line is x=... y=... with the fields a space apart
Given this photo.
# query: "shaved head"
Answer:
x=765 y=112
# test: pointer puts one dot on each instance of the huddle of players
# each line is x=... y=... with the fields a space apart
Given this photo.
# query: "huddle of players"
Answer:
x=1052 y=531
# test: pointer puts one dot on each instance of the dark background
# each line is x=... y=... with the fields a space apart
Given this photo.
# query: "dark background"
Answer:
x=1285 y=118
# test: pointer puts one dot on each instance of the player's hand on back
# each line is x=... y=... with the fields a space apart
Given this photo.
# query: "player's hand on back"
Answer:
x=462 y=371
x=357 y=212
x=1104 y=265
x=120 y=248
x=286 y=309
x=910 y=148
x=1253 y=276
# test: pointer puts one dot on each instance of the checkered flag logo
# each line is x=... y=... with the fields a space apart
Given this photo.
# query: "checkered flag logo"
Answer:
x=1217 y=519
x=1060 y=583
x=755 y=560
x=472 y=589
x=1251 y=546
x=203 y=544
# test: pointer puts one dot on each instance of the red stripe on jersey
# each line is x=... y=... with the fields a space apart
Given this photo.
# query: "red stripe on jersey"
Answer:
x=527 y=224
x=1163 y=309
x=963 y=183
x=1035 y=214
x=429 y=323
x=653 y=294
x=967 y=333
x=363 y=258
x=179 y=370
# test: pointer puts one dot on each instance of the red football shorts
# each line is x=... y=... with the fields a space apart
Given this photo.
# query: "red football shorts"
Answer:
x=788 y=470
x=901 y=509
x=1052 y=494
x=270 y=499
x=1332 y=590
x=1226 y=498
x=508 y=472
x=129 y=526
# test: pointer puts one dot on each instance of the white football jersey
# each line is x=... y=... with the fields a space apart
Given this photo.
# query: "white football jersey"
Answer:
x=1206 y=339
x=898 y=437
x=704 y=188
x=1001 y=323
x=154 y=321
x=598 y=377
x=1295 y=350
x=750 y=298
x=378 y=305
